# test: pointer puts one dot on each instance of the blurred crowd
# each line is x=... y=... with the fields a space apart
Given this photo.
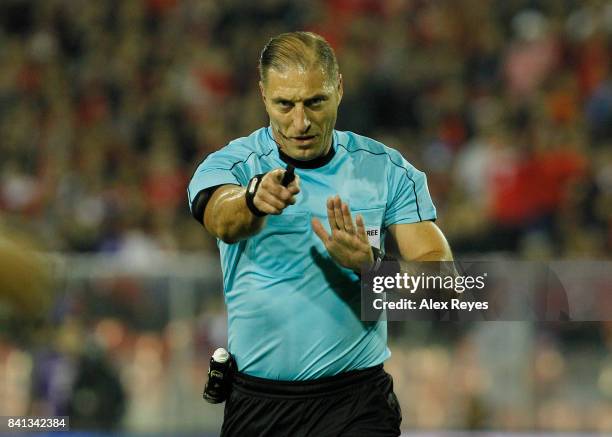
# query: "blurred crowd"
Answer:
x=107 y=107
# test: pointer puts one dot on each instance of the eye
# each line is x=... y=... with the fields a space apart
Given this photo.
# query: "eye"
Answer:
x=315 y=102
x=284 y=104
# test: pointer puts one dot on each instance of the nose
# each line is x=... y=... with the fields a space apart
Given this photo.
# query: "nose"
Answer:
x=301 y=122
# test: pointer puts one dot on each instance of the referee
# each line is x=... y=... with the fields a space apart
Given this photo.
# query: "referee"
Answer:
x=307 y=365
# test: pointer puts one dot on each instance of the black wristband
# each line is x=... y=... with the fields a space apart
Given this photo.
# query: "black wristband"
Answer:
x=249 y=195
x=378 y=259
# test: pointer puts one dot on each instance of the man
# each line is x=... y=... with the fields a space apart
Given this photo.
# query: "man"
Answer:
x=291 y=254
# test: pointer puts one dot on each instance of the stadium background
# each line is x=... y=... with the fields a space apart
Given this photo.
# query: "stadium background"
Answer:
x=106 y=108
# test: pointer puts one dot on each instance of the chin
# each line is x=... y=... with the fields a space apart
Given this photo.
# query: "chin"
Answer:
x=308 y=154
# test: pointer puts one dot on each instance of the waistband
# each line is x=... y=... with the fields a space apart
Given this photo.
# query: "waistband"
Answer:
x=313 y=387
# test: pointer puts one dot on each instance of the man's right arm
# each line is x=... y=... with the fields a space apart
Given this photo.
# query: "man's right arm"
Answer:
x=228 y=217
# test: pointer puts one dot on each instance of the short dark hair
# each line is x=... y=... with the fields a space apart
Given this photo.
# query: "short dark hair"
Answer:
x=302 y=49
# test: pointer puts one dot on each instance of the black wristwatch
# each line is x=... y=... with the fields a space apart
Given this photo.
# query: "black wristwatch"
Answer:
x=249 y=195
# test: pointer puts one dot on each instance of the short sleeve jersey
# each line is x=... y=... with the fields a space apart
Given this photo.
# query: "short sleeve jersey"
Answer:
x=293 y=312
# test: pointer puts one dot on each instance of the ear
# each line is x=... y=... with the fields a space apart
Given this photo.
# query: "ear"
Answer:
x=340 y=88
x=261 y=90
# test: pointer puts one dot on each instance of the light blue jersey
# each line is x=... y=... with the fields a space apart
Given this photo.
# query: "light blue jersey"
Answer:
x=294 y=313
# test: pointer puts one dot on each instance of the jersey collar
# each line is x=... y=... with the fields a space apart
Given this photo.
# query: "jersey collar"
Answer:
x=318 y=162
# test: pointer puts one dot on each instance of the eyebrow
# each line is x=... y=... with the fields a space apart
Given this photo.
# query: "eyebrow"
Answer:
x=315 y=97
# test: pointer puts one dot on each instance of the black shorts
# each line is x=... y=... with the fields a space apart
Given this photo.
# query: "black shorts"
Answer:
x=356 y=403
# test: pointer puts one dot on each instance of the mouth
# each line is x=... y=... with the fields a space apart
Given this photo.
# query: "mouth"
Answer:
x=304 y=139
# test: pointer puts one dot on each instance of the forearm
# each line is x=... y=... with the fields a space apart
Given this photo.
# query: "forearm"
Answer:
x=228 y=218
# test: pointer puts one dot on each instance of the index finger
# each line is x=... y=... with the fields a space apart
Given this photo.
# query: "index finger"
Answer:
x=276 y=175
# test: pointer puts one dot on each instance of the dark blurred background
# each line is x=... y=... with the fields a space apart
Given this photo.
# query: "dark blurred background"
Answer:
x=107 y=107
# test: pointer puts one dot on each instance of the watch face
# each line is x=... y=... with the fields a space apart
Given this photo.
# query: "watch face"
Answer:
x=252 y=185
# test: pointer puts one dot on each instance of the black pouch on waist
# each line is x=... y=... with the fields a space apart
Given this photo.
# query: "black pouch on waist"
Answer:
x=220 y=375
